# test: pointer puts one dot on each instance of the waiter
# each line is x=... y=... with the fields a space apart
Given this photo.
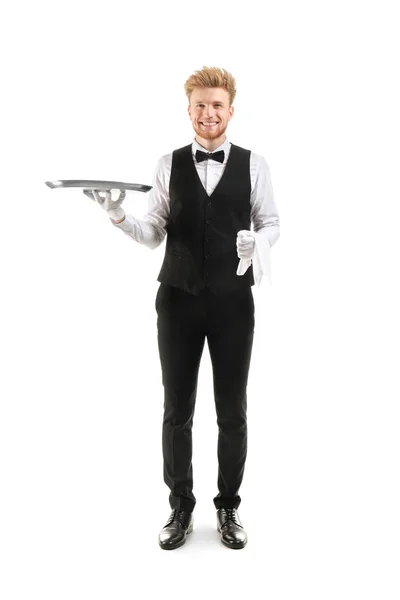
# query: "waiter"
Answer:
x=204 y=198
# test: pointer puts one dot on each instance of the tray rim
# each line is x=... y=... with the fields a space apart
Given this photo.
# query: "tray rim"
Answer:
x=92 y=183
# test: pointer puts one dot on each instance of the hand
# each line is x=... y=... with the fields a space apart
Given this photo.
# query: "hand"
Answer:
x=112 y=207
x=245 y=244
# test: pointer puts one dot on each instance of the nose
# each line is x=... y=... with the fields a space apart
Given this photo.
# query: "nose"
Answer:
x=210 y=112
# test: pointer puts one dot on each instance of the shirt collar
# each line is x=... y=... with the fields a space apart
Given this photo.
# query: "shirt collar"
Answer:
x=226 y=146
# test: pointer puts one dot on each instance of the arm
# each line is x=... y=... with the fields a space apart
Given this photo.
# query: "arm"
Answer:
x=151 y=230
x=265 y=219
x=264 y=214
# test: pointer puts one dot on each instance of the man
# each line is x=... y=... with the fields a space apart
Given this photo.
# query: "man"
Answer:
x=204 y=198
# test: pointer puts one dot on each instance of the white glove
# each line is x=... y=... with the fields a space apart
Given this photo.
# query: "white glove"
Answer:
x=112 y=207
x=245 y=244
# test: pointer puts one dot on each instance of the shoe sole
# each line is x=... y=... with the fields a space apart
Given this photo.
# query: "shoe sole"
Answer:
x=179 y=544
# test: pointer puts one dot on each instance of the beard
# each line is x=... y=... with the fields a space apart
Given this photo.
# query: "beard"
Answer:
x=210 y=134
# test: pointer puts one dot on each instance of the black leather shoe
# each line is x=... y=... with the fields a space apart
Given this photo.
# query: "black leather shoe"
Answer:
x=174 y=532
x=231 y=529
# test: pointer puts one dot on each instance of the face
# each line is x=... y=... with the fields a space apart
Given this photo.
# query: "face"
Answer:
x=210 y=113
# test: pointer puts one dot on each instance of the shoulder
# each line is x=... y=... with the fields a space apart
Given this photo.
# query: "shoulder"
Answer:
x=186 y=148
x=240 y=149
x=162 y=172
x=258 y=162
x=164 y=163
x=166 y=160
x=255 y=157
x=259 y=169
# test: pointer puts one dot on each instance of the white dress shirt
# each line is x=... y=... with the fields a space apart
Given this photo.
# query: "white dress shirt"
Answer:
x=264 y=216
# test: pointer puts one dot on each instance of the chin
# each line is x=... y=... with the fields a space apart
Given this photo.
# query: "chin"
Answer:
x=209 y=135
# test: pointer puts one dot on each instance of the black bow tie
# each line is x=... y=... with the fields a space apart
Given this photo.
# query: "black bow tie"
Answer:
x=219 y=156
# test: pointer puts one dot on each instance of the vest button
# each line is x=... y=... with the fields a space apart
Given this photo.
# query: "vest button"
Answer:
x=209 y=203
x=208 y=221
x=206 y=256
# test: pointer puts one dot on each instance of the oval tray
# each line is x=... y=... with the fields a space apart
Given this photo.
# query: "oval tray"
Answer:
x=96 y=184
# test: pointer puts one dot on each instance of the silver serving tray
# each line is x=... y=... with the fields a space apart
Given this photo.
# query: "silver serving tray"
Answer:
x=95 y=184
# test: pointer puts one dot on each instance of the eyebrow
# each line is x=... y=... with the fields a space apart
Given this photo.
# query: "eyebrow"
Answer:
x=215 y=102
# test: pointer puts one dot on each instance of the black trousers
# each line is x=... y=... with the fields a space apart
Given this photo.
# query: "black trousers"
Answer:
x=183 y=323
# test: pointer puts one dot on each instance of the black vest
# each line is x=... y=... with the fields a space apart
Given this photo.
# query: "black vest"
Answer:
x=201 y=230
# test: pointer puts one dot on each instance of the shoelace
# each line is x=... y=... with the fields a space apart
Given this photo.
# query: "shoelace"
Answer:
x=230 y=516
x=176 y=515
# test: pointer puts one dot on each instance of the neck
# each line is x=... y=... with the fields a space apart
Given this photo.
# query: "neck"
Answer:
x=210 y=145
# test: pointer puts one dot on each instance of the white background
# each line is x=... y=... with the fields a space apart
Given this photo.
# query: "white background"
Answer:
x=95 y=91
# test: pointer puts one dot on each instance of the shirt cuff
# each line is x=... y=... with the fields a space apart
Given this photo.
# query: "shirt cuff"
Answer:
x=127 y=224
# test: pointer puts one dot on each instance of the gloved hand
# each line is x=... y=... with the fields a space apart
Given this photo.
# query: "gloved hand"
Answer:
x=245 y=244
x=112 y=207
